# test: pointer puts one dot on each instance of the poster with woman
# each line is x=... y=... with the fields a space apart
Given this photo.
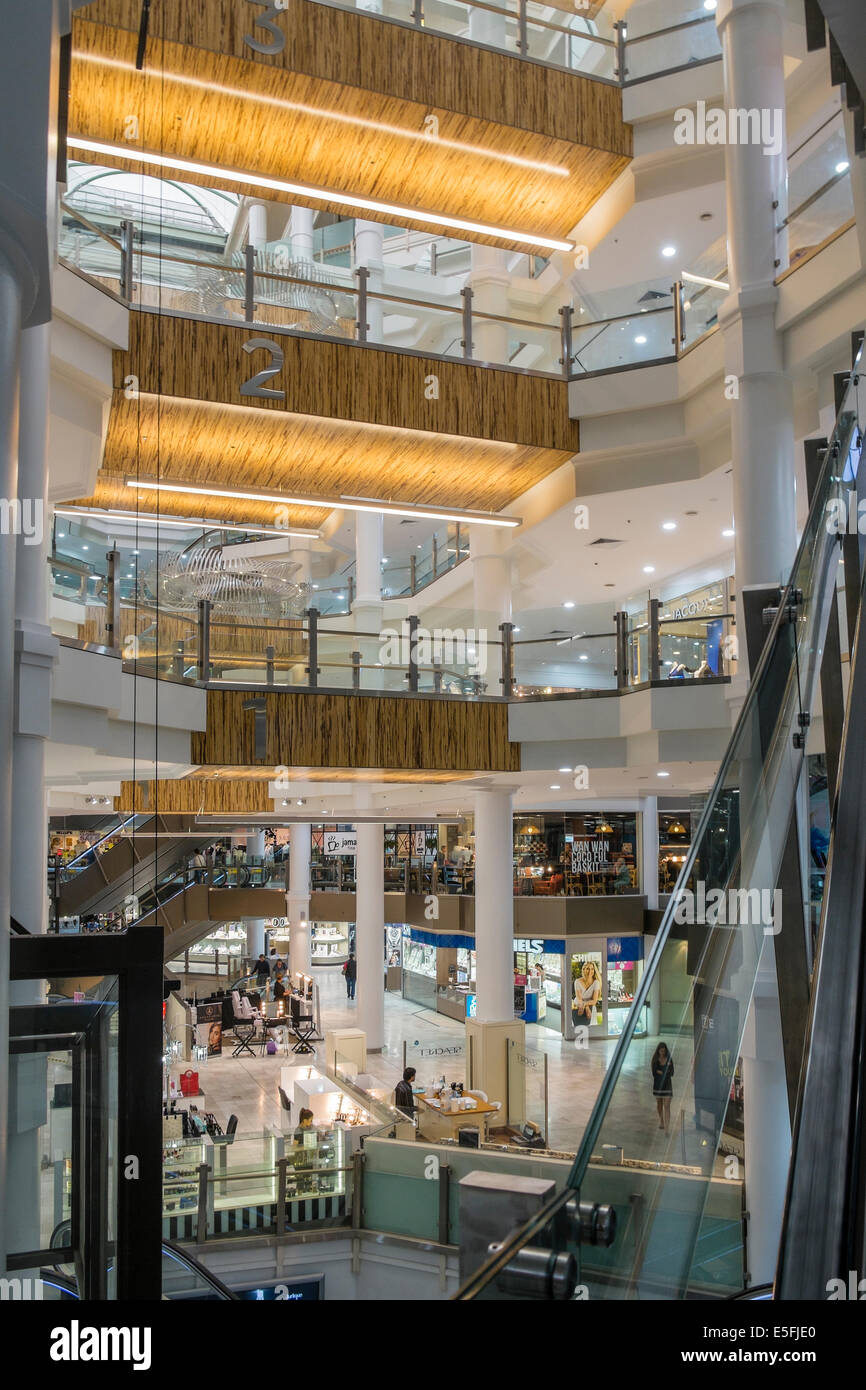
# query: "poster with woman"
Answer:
x=209 y=1028
x=587 y=1008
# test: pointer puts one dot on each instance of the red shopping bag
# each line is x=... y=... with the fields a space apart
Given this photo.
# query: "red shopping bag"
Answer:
x=189 y=1083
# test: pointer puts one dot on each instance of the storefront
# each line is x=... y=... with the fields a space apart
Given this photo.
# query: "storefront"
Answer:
x=576 y=855
x=560 y=983
x=675 y=838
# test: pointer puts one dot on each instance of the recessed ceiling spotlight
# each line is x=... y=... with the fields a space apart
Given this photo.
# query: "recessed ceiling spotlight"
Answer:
x=663 y=774
x=583 y=657
x=710 y=5
x=640 y=338
x=668 y=251
x=669 y=525
x=728 y=532
x=705 y=217
x=555 y=787
x=563 y=769
x=649 y=569
x=842 y=166
x=569 y=603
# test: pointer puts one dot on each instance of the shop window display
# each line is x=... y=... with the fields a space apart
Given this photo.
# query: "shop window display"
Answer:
x=587 y=991
x=675 y=837
x=585 y=855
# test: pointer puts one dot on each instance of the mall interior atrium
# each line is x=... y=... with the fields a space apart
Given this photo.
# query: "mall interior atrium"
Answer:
x=431 y=560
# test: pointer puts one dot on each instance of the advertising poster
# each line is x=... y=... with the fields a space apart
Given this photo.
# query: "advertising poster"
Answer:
x=587 y=1004
x=209 y=1028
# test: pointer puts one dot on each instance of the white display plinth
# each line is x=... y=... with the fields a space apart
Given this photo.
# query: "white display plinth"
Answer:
x=350 y=1044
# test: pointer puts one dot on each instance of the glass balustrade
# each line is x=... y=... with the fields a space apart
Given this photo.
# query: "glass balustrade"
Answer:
x=654 y=1147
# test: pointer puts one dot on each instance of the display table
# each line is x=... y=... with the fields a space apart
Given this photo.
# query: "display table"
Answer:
x=436 y=1123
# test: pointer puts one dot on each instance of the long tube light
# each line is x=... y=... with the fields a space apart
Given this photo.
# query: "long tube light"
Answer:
x=702 y=280
x=304 y=190
x=325 y=114
x=189 y=524
x=341 y=503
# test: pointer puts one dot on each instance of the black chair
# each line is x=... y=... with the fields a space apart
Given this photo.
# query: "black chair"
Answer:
x=244 y=1031
x=229 y=1136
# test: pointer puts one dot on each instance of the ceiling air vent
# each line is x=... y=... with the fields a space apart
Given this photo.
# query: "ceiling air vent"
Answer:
x=604 y=540
x=652 y=296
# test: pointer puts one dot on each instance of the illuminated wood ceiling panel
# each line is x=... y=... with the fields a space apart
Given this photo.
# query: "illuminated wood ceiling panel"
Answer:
x=347 y=106
x=355 y=422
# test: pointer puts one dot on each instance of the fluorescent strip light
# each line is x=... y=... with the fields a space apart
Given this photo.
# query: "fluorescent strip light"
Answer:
x=303 y=190
x=191 y=524
x=340 y=503
x=182 y=79
x=702 y=280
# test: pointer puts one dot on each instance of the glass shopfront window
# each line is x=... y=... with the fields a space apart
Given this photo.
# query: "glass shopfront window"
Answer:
x=675 y=837
x=576 y=855
x=624 y=972
x=587 y=990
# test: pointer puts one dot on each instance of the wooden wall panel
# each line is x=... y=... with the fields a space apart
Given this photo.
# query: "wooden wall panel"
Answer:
x=206 y=361
x=195 y=796
x=359 y=731
x=351 y=48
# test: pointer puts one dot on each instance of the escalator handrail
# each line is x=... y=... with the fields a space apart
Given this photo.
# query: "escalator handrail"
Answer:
x=822 y=1228
x=183 y=1257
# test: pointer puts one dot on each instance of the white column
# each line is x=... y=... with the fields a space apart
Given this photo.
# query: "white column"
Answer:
x=301 y=224
x=369 y=243
x=494 y=906
x=650 y=849
x=762 y=433
x=367 y=607
x=767 y=1126
x=257 y=225
x=489 y=279
x=491 y=578
x=298 y=899
x=35 y=647
x=369 y=933
x=10 y=325
x=255 y=925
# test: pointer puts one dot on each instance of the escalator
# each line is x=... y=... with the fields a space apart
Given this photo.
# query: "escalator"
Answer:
x=144 y=848
x=650 y=1211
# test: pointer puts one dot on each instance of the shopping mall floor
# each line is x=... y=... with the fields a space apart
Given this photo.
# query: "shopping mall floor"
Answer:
x=247 y=1086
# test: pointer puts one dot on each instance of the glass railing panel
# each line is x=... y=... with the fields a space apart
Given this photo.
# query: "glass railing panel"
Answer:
x=567 y=663
x=526 y=1111
x=85 y=247
x=638 y=653
x=568 y=41
x=401 y=321
x=660 y=41
x=701 y=304
x=622 y=342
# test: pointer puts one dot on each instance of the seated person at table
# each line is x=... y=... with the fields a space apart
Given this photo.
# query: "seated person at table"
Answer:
x=403 y=1097
x=621 y=875
x=196 y=1121
x=279 y=986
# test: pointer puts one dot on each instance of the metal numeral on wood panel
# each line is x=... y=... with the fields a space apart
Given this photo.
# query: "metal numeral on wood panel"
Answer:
x=266 y=21
x=255 y=386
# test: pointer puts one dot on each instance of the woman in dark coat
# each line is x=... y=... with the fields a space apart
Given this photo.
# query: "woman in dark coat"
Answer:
x=662 y=1067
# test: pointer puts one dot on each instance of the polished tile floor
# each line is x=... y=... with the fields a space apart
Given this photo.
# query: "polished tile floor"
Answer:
x=247 y=1086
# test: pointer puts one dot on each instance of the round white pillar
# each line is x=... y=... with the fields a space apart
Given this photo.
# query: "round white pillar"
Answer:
x=489 y=279
x=257 y=225
x=370 y=933
x=369 y=245
x=491 y=579
x=367 y=606
x=650 y=849
x=301 y=223
x=751 y=33
x=766 y=1126
x=298 y=899
x=35 y=647
x=494 y=906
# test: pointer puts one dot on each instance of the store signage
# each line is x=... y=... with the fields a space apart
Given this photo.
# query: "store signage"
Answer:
x=340 y=842
x=629 y=948
x=539 y=944
x=419 y=842
x=693 y=608
x=588 y=856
